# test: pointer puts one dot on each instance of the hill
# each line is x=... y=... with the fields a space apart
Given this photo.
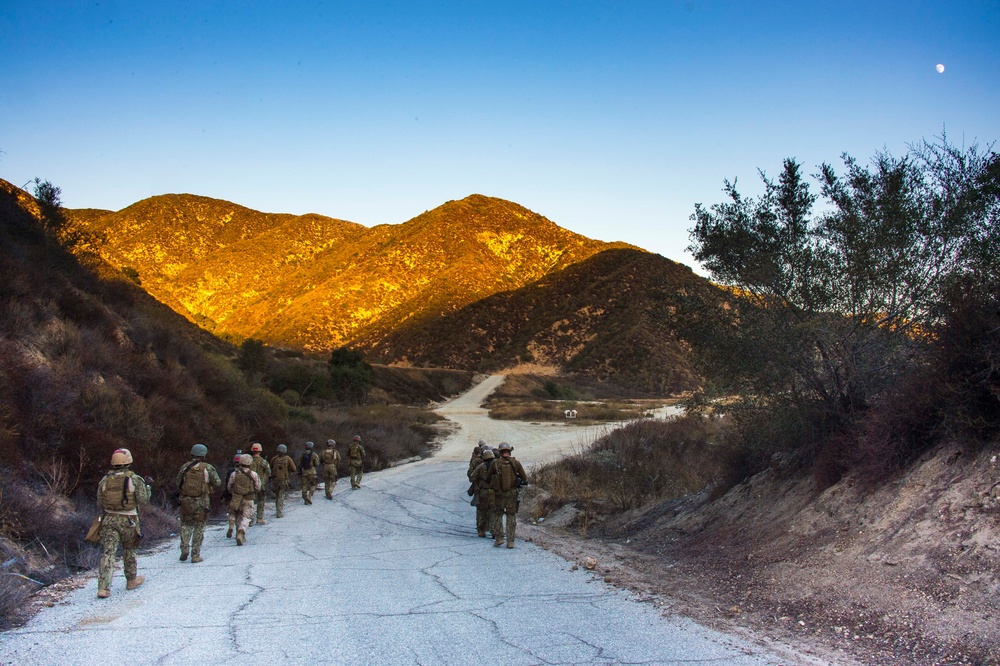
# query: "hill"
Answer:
x=614 y=315
x=317 y=283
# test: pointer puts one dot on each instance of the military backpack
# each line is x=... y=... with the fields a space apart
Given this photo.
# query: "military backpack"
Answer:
x=330 y=456
x=279 y=468
x=194 y=482
x=506 y=478
x=356 y=452
x=306 y=462
x=118 y=493
x=242 y=483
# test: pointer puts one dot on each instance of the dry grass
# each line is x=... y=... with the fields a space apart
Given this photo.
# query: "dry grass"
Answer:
x=536 y=409
x=643 y=462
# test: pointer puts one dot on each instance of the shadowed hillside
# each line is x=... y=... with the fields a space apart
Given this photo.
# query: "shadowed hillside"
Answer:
x=614 y=315
x=316 y=283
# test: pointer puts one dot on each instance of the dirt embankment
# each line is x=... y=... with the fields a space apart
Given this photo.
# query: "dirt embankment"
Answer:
x=902 y=574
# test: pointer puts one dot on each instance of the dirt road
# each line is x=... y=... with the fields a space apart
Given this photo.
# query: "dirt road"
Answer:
x=391 y=573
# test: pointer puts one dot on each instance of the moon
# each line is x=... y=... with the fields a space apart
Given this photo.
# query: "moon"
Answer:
x=940 y=68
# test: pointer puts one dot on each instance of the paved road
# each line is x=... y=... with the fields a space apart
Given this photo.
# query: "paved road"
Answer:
x=391 y=573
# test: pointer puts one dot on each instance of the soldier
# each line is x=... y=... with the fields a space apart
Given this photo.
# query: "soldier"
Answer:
x=119 y=494
x=226 y=495
x=307 y=473
x=194 y=483
x=331 y=458
x=505 y=476
x=356 y=454
x=484 y=497
x=282 y=468
x=477 y=457
x=244 y=485
x=263 y=473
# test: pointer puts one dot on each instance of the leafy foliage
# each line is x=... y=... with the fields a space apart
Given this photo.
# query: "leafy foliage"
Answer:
x=350 y=377
x=835 y=308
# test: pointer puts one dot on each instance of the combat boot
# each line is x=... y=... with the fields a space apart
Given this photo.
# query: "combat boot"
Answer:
x=135 y=582
x=497 y=542
x=229 y=532
x=103 y=594
x=241 y=537
x=261 y=521
x=481 y=533
x=510 y=544
x=196 y=558
x=184 y=555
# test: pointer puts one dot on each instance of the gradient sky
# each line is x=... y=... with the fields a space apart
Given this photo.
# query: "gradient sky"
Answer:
x=612 y=119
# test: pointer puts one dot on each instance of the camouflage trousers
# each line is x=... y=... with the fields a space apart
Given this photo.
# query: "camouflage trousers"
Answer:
x=484 y=512
x=117 y=530
x=241 y=518
x=309 y=484
x=506 y=505
x=356 y=473
x=329 y=480
x=279 y=497
x=261 y=496
x=192 y=534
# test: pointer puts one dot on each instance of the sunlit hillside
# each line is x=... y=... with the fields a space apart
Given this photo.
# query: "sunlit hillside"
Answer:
x=316 y=283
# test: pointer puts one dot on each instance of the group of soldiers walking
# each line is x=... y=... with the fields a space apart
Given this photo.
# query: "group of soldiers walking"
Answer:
x=496 y=477
x=122 y=491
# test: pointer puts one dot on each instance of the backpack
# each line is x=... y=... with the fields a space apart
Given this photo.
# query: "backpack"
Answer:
x=330 y=456
x=194 y=482
x=505 y=475
x=116 y=495
x=242 y=483
x=279 y=468
x=356 y=451
x=306 y=463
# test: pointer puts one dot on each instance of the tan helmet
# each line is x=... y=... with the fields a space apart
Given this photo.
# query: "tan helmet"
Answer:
x=246 y=460
x=482 y=443
x=256 y=447
x=488 y=455
x=357 y=438
x=121 y=457
x=330 y=442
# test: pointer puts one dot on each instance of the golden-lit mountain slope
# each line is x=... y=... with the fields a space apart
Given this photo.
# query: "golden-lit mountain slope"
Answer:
x=317 y=283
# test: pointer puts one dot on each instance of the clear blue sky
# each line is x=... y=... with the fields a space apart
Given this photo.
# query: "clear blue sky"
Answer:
x=610 y=118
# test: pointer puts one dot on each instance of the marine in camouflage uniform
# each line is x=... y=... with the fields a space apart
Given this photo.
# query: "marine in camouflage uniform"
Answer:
x=505 y=476
x=330 y=459
x=356 y=456
x=263 y=470
x=307 y=473
x=195 y=507
x=120 y=521
x=477 y=457
x=483 y=497
x=282 y=468
x=241 y=507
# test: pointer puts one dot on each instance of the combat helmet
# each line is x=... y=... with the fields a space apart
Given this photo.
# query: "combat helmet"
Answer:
x=357 y=438
x=256 y=447
x=504 y=446
x=121 y=457
x=330 y=442
x=309 y=446
x=246 y=460
x=488 y=455
x=199 y=451
x=282 y=448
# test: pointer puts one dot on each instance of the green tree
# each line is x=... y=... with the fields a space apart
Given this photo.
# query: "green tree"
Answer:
x=252 y=357
x=831 y=308
x=350 y=377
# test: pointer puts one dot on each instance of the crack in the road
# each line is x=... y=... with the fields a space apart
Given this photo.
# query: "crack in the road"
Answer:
x=233 y=622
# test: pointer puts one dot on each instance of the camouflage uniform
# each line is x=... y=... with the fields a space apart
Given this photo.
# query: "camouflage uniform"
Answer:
x=484 y=497
x=120 y=528
x=506 y=502
x=195 y=510
x=330 y=461
x=241 y=509
x=263 y=471
x=282 y=467
x=477 y=458
x=307 y=472
x=356 y=453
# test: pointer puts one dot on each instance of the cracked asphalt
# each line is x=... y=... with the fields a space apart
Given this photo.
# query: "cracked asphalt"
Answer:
x=391 y=573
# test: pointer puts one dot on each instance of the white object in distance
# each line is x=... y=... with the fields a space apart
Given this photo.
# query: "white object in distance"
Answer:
x=940 y=68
